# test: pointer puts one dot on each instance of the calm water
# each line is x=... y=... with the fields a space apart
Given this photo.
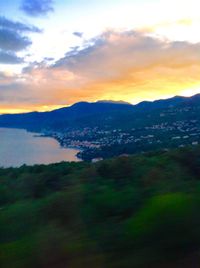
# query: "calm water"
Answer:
x=18 y=147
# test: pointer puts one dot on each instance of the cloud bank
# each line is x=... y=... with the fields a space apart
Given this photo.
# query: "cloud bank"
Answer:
x=129 y=66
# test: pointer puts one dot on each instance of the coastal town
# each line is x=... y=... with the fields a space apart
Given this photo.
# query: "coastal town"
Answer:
x=161 y=135
x=105 y=130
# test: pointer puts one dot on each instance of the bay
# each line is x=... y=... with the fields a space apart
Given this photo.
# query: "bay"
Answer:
x=18 y=147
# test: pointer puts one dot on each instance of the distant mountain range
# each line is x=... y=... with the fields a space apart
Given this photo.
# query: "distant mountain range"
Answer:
x=101 y=113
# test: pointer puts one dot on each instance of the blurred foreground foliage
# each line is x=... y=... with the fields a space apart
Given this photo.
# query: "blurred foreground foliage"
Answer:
x=140 y=211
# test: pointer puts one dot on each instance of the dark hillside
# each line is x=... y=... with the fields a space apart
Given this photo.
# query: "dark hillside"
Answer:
x=136 y=212
x=99 y=114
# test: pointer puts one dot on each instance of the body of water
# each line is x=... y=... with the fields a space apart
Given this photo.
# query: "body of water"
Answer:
x=18 y=147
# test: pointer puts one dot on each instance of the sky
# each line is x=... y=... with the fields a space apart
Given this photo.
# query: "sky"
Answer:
x=54 y=53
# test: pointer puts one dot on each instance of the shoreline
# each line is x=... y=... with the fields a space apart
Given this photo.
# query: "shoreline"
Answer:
x=19 y=156
x=80 y=149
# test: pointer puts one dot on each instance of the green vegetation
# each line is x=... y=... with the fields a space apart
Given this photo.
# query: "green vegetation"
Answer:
x=140 y=211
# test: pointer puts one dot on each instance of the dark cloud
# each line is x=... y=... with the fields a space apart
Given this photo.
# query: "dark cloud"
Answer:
x=9 y=58
x=17 y=26
x=78 y=34
x=36 y=8
x=12 y=41
x=48 y=59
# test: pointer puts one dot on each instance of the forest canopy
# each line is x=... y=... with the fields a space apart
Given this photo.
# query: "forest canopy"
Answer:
x=137 y=211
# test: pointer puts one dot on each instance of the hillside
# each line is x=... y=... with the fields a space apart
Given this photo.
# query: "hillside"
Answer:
x=98 y=114
x=105 y=129
x=75 y=115
x=128 y=212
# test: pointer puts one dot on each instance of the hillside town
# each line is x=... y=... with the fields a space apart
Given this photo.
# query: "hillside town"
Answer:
x=162 y=135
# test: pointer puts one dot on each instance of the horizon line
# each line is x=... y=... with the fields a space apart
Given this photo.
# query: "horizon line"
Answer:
x=100 y=101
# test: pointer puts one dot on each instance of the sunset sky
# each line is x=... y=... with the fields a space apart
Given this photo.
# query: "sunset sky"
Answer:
x=54 y=53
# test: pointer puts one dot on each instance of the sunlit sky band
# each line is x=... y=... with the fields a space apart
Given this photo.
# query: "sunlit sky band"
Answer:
x=56 y=53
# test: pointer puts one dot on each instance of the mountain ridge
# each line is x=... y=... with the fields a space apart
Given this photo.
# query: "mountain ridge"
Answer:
x=91 y=113
x=179 y=98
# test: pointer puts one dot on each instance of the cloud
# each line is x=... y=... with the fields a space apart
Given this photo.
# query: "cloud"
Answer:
x=9 y=58
x=78 y=34
x=36 y=8
x=48 y=59
x=130 y=66
x=13 y=41
x=17 y=26
x=114 y=54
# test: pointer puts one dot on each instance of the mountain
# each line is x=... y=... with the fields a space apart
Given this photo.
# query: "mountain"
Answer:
x=162 y=103
x=101 y=113
x=64 y=117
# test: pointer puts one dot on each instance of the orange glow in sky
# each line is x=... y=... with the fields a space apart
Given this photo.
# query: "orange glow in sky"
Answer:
x=126 y=50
